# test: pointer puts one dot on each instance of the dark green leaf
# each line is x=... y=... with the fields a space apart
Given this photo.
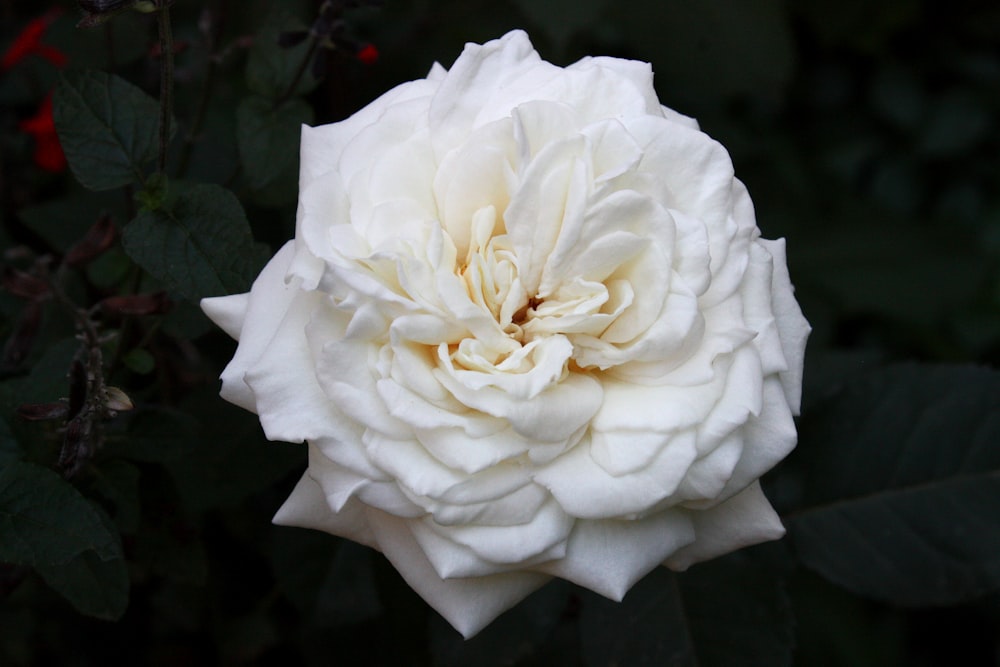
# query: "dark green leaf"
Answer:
x=271 y=68
x=110 y=269
x=107 y=128
x=10 y=451
x=186 y=321
x=715 y=48
x=727 y=612
x=47 y=381
x=269 y=137
x=96 y=586
x=139 y=361
x=902 y=490
x=901 y=271
x=956 y=122
x=201 y=247
x=301 y=560
x=347 y=593
x=63 y=222
x=231 y=458
x=45 y=521
x=522 y=633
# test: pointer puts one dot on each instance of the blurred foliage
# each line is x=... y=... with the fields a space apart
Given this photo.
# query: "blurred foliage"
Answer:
x=868 y=135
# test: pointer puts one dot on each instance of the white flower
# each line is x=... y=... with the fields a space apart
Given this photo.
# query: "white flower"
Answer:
x=528 y=328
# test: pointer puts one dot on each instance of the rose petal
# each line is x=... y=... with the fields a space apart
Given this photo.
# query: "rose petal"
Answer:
x=586 y=490
x=228 y=312
x=610 y=556
x=468 y=604
x=743 y=520
x=792 y=326
x=270 y=298
x=289 y=399
x=307 y=507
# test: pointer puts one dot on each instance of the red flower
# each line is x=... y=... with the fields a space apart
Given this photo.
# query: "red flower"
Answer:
x=368 y=54
x=48 y=153
x=30 y=42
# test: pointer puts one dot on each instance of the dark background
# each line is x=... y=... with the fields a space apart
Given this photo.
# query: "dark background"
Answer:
x=868 y=136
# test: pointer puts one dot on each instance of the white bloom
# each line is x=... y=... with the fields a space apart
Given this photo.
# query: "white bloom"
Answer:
x=528 y=328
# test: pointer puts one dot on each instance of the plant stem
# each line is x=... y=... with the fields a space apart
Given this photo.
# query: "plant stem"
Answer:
x=84 y=434
x=214 y=35
x=166 y=80
x=313 y=43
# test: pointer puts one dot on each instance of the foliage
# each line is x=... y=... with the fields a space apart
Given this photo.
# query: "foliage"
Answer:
x=135 y=504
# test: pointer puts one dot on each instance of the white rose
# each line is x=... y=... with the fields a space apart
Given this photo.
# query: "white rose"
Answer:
x=528 y=328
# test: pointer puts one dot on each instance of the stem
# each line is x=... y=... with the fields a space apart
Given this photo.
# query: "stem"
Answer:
x=83 y=431
x=313 y=43
x=166 y=80
x=214 y=34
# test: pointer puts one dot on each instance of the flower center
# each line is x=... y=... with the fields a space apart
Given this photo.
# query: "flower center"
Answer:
x=490 y=274
x=521 y=316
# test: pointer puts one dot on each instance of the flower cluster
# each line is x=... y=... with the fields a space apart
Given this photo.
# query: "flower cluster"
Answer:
x=528 y=328
x=41 y=127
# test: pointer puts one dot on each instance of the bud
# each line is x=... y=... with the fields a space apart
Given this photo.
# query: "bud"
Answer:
x=100 y=237
x=23 y=336
x=97 y=12
x=34 y=412
x=117 y=400
x=24 y=284
x=368 y=54
x=135 y=304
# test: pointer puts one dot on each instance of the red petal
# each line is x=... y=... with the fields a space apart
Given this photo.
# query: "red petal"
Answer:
x=368 y=54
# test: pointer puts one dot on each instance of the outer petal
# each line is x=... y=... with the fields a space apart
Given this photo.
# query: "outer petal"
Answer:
x=269 y=299
x=609 y=556
x=792 y=326
x=465 y=90
x=745 y=519
x=228 y=312
x=468 y=604
x=307 y=508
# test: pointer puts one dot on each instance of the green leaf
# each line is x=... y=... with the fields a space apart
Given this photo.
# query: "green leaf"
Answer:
x=902 y=487
x=47 y=381
x=347 y=593
x=107 y=127
x=10 y=450
x=230 y=459
x=139 y=361
x=271 y=68
x=958 y=121
x=63 y=222
x=95 y=585
x=186 y=321
x=727 y=612
x=705 y=51
x=201 y=247
x=523 y=634
x=901 y=271
x=45 y=521
x=268 y=137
